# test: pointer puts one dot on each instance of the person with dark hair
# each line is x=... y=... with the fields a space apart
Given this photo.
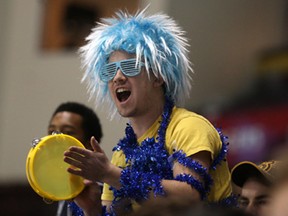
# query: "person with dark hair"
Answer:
x=255 y=182
x=77 y=120
x=81 y=122
x=139 y=65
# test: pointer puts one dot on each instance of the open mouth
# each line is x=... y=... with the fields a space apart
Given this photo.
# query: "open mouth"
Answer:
x=123 y=94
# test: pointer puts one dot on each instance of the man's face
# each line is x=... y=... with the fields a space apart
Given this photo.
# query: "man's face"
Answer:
x=68 y=123
x=254 y=197
x=133 y=95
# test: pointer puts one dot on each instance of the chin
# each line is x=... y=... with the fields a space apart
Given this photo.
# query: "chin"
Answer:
x=125 y=113
x=121 y=112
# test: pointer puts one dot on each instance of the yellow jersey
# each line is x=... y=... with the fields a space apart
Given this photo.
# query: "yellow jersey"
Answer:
x=191 y=133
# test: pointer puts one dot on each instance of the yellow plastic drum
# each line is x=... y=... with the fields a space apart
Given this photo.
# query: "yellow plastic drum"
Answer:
x=47 y=172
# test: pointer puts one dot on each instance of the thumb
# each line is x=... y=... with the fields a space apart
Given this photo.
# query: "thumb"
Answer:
x=95 y=145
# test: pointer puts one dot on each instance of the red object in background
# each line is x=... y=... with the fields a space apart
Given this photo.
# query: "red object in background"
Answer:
x=256 y=122
x=254 y=133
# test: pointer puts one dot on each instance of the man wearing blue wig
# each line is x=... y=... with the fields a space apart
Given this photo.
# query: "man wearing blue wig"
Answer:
x=138 y=65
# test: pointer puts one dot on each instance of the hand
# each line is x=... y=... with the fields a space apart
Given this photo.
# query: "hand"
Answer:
x=91 y=165
x=89 y=200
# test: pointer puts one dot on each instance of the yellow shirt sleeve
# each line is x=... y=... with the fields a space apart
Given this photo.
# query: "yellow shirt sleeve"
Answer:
x=192 y=134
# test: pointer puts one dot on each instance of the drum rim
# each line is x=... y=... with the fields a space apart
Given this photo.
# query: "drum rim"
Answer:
x=29 y=169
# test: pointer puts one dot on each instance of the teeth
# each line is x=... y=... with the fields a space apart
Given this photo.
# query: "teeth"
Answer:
x=121 y=90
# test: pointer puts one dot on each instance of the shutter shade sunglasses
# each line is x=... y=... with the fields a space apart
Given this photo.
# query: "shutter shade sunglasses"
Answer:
x=128 y=67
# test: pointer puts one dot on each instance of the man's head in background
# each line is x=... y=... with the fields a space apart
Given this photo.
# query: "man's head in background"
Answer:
x=76 y=120
x=255 y=182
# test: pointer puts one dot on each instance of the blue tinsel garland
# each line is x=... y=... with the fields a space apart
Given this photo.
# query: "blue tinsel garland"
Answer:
x=150 y=162
x=189 y=179
x=76 y=211
x=224 y=149
x=181 y=157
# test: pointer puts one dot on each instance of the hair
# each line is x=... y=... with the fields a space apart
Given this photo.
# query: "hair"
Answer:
x=157 y=40
x=90 y=121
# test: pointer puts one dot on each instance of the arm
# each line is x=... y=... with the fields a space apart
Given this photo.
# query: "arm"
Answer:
x=182 y=189
x=198 y=139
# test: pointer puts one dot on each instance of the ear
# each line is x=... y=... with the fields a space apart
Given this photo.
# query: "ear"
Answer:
x=158 y=81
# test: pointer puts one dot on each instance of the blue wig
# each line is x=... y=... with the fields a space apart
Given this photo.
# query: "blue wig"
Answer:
x=157 y=39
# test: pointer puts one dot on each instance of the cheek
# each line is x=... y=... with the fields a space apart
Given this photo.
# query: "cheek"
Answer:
x=143 y=81
x=142 y=88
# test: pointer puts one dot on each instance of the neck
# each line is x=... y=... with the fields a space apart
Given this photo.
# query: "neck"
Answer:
x=142 y=123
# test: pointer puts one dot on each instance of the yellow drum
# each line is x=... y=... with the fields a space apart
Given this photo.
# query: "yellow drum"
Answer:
x=47 y=172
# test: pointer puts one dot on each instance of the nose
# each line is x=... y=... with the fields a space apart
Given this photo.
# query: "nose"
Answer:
x=119 y=77
x=252 y=209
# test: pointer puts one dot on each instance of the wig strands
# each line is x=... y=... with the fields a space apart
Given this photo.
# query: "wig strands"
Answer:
x=157 y=39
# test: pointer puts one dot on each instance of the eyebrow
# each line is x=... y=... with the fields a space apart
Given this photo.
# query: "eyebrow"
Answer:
x=262 y=196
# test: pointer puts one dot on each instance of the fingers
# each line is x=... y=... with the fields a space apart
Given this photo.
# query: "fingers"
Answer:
x=75 y=159
x=95 y=145
x=75 y=171
x=88 y=182
x=73 y=162
x=74 y=155
x=81 y=151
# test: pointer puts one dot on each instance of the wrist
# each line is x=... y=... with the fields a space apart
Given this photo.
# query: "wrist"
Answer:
x=112 y=176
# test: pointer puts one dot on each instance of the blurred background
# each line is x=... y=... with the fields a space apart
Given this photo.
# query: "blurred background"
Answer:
x=239 y=50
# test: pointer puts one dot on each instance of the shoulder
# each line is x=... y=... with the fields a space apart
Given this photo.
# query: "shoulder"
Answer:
x=183 y=118
x=192 y=133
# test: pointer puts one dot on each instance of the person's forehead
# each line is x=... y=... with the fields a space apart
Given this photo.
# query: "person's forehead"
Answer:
x=66 y=116
x=254 y=187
